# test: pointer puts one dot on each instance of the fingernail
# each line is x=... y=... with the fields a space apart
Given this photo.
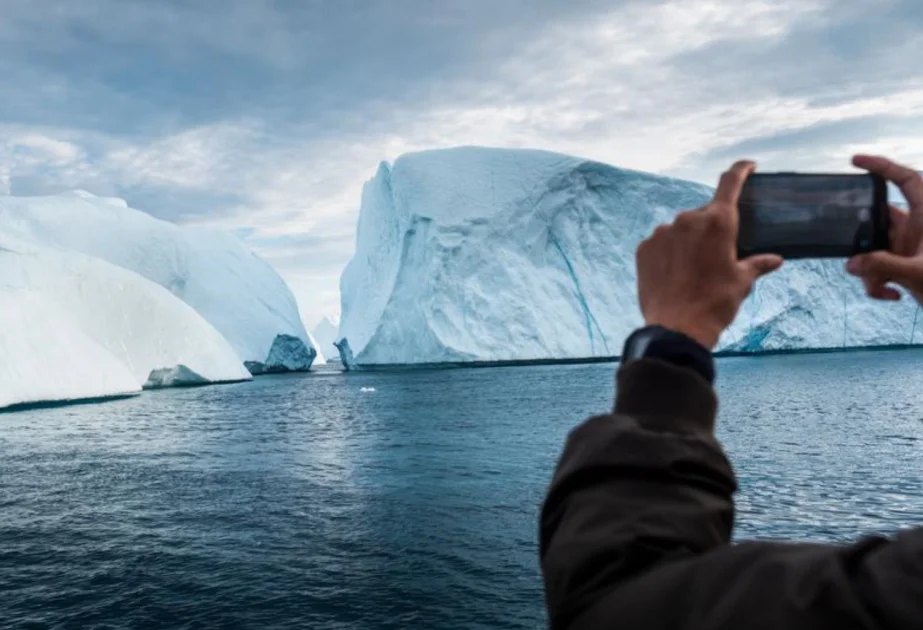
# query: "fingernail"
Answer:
x=853 y=266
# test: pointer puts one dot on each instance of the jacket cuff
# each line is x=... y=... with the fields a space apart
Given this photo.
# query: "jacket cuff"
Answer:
x=662 y=396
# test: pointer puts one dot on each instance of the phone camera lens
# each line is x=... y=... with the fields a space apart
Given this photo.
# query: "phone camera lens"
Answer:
x=864 y=243
x=864 y=215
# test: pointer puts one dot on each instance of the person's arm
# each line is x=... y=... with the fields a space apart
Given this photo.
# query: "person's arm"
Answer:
x=643 y=486
x=636 y=525
x=649 y=484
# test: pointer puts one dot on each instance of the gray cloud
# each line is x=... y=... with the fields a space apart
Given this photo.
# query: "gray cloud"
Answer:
x=265 y=118
x=157 y=66
x=821 y=135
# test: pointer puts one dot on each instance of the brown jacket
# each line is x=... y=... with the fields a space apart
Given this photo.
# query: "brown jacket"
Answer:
x=635 y=532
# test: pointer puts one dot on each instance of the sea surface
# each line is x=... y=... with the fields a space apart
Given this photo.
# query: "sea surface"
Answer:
x=399 y=500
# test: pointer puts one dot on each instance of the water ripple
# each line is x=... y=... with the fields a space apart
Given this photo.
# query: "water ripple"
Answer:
x=306 y=502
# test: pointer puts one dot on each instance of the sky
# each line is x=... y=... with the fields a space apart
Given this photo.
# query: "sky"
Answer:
x=266 y=117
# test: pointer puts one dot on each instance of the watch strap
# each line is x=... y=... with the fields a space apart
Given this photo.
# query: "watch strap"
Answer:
x=658 y=342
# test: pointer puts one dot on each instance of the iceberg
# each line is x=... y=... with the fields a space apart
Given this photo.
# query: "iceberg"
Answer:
x=237 y=292
x=472 y=254
x=76 y=327
x=54 y=361
x=325 y=334
x=98 y=300
x=287 y=354
x=177 y=376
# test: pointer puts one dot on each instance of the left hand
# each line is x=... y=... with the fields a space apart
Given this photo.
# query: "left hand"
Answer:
x=689 y=277
x=903 y=264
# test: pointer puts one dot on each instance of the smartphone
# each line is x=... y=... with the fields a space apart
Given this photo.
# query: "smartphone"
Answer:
x=813 y=215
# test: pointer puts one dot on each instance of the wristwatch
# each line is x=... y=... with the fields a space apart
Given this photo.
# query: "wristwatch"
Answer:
x=657 y=342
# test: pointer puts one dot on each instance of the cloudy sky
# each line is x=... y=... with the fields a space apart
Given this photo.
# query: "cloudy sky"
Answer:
x=265 y=117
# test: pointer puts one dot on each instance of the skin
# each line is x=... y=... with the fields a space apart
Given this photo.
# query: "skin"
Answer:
x=689 y=277
x=690 y=280
x=903 y=265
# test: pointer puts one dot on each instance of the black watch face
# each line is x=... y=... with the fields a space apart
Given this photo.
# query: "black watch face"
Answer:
x=639 y=343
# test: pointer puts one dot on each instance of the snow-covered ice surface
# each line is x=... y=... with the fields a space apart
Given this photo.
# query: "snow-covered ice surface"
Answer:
x=80 y=327
x=240 y=294
x=97 y=299
x=474 y=254
x=55 y=360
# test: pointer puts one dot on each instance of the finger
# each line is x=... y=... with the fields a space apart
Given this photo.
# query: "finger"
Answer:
x=898 y=233
x=898 y=217
x=732 y=182
x=761 y=265
x=660 y=231
x=907 y=179
x=886 y=266
x=884 y=293
x=880 y=291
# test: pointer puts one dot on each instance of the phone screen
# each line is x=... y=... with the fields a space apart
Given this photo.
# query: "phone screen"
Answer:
x=811 y=216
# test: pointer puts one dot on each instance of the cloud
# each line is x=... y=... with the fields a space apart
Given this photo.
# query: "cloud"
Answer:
x=266 y=119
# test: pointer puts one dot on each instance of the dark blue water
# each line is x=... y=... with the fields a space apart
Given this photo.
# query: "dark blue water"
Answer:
x=304 y=502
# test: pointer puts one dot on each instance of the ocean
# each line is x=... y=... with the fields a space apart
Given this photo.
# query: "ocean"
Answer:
x=400 y=499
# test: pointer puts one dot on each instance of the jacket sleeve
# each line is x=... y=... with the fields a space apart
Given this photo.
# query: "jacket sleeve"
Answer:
x=635 y=531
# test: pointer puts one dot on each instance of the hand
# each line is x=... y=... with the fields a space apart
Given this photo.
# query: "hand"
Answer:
x=689 y=277
x=903 y=265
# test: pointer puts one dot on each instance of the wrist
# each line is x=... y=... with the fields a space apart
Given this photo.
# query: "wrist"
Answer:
x=704 y=334
x=677 y=348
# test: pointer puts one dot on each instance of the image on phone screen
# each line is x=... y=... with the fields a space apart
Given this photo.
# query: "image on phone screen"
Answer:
x=808 y=215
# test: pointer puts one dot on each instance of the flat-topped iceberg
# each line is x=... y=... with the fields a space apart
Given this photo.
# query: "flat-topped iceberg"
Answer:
x=489 y=255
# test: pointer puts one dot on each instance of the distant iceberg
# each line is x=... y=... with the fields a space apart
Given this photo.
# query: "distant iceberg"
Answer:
x=491 y=255
x=99 y=299
x=325 y=334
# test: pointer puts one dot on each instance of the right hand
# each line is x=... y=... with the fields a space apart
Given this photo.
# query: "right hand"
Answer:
x=903 y=264
x=689 y=277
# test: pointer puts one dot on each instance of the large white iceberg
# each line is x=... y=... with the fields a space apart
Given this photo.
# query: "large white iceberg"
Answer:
x=97 y=299
x=53 y=361
x=239 y=293
x=80 y=327
x=474 y=254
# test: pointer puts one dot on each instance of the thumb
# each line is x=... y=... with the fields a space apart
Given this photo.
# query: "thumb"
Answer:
x=886 y=266
x=758 y=266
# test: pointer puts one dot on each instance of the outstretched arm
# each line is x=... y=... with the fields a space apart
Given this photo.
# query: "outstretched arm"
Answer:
x=636 y=526
x=635 y=532
x=636 y=489
x=649 y=484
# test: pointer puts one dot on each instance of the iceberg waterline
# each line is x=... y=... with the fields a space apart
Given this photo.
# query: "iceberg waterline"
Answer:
x=473 y=255
x=98 y=299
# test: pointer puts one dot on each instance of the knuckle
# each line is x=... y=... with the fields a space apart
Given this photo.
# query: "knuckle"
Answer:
x=685 y=220
x=718 y=217
x=715 y=219
x=871 y=267
x=741 y=165
x=722 y=222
